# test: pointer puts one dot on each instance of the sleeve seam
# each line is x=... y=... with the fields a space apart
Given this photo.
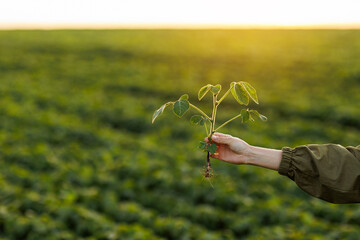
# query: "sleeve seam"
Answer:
x=286 y=161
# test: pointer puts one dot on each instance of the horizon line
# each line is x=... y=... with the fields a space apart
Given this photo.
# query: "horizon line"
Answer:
x=51 y=26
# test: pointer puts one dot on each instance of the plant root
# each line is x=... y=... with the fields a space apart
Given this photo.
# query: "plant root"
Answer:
x=208 y=171
x=208 y=175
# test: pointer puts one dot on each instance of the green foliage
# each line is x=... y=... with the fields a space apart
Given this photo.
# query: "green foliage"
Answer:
x=239 y=93
x=250 y=91
x=208 y=147
x=184 y=97
x=198 y=120
x=203 y=91
x=257 y=114
x=79 y=158
x=181 y=106
x=159 y=112
x=211 y=148
x=203 y=145
x=242 y=91
x=244 y=115
x=216 y=89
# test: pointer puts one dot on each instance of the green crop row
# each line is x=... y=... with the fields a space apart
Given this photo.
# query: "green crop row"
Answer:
x=80 y=159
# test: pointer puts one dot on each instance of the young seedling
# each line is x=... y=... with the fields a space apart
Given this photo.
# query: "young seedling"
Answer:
x=242 y=92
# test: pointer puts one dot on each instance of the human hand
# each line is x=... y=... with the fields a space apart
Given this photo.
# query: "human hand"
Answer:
x=230 y=149
x=236 y=151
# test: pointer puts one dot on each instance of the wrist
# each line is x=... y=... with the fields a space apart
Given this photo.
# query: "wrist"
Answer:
x=251 y=156
x=264 y=157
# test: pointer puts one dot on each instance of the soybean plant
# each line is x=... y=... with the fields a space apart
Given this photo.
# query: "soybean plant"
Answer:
x=243 y=92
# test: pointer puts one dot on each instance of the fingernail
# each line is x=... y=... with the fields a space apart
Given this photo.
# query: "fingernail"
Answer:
x=214 y=137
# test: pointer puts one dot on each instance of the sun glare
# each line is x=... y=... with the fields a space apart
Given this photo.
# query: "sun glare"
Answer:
x=184 y=12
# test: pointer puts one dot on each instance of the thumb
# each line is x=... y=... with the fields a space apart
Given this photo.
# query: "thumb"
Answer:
x=222 y=139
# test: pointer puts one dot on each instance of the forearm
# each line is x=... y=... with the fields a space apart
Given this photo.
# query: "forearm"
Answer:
x=264 y=157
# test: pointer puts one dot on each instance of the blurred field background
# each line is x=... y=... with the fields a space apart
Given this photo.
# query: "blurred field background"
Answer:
x=80 y=159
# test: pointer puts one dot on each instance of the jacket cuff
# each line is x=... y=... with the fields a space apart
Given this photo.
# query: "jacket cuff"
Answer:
x=286 y=161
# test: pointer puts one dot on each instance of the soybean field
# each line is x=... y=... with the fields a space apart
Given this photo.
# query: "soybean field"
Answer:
x=80 y=159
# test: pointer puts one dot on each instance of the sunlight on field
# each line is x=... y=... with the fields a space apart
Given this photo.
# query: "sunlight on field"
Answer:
x=80 y=159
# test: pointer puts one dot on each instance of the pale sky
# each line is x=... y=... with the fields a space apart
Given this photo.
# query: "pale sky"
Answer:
x=234 y=12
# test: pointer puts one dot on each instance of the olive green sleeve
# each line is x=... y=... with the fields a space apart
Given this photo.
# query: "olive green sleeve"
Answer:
x=330 y=172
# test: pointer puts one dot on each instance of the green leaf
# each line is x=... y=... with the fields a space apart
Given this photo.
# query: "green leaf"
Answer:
x=257 y=114
x=244 y=115
x=216 y=89
x=211 y=148
x=262 y=117
x=251 y=91
x=203 y=91
x=158 y=112
x=196 y=119
x=203 y=121
x=185 y=97
x=251 y=118
x=202 y=145
x=180 y=107
x=239 y=93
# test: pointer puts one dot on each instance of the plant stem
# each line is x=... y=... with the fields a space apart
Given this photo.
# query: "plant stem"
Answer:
x=200 y=111
x=212 y=130
x=227 y=122
x=208 y=167
x=213 y=116
x=224 y=96
x=206 y=129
